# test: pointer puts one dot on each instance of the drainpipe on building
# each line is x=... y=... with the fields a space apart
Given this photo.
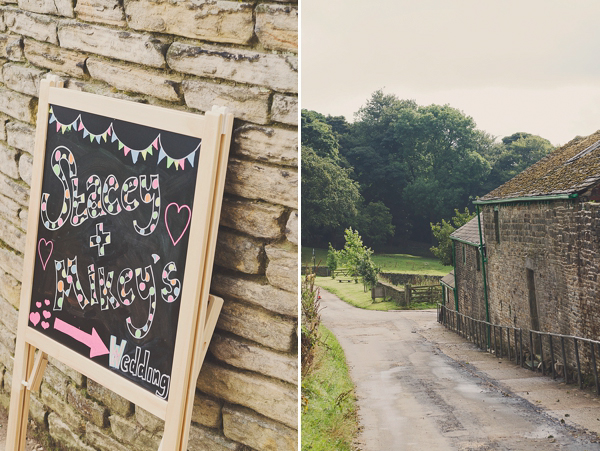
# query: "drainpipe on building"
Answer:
x=483 y=272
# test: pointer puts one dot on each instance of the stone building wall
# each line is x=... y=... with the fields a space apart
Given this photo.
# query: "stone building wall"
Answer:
x=185 y=55
x=558 y=242
x=469 y=282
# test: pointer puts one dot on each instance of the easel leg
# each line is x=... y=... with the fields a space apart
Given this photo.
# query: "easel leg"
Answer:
x=19 y=400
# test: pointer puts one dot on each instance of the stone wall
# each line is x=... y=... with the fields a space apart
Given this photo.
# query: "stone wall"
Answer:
x=403 y=279
x=559 y=242
x=469 y=281
x=185 y=55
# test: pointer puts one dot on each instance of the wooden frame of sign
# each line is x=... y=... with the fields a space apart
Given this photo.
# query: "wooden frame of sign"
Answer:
x=159 y=338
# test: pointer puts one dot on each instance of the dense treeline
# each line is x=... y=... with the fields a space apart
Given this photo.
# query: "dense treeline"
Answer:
x=398 y=168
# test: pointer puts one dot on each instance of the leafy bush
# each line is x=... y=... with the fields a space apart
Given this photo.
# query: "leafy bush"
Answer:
x=310 y=322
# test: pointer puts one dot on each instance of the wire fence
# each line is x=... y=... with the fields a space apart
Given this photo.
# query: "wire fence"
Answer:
x=570 y=358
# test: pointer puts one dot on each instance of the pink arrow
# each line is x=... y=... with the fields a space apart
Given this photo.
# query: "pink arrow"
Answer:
x=93 y=340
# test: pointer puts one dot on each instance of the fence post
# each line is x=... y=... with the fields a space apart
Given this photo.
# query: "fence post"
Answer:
x=407 y=294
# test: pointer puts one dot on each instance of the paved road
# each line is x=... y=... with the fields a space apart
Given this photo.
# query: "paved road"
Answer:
x=413 y=396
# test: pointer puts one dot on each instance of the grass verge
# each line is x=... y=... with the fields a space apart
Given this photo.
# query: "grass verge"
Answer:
x=329 y=419
x=353 y=294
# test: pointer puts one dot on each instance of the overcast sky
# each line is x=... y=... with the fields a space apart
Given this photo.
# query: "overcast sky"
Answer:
x=530 y=66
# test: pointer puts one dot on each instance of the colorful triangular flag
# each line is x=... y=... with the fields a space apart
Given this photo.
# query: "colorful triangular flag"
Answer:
x=52 y=118
x=190 y=158
x=134 y=156
x=161 y=154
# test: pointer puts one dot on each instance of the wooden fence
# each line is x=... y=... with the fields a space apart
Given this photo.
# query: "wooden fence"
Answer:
x=409 y=295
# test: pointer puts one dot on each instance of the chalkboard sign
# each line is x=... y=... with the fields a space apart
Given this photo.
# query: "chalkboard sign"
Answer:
x=122 y=226
x=112 y=240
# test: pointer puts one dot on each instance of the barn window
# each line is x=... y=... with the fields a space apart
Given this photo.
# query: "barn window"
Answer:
x=478 y=261
x=464 y=254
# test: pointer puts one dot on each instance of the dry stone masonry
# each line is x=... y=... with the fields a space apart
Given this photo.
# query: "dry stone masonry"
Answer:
x=186 y=55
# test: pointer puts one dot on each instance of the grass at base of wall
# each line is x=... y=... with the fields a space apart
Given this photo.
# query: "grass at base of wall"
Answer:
x=354 y=294
x=329 y=419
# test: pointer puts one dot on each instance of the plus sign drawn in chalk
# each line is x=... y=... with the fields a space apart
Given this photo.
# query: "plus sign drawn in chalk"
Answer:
x=100 y=239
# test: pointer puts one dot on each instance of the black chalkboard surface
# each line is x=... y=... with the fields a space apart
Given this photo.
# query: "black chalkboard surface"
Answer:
x=112 y=242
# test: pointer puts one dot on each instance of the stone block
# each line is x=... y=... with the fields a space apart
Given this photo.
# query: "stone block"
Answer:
x=255 y=292
x=128 y=78
x=266 y=144
x=248 y=104
x=86 y=407
x=60 y=432
x=3 y=121
x=12 y=264
x=54 y=7
x=291 y=228
x=258 y=325
x=37 y=410
x=12 y=236
x=205 y=439
x=210 y=20
x=25 y=168
x=258 y=181
x=36 y=26
x=124 y=45
x=249 y=356
x=239 y=252
x=9 y=210
x=285 y=109
x=9 y=315
x=14 y=48
x=271 y=398
x=116 y=403
x=8 y=161
x=6 y=359
x=8 y=338
x=207 y=411
x=17 y=105
x=257 y=431
x=23 y=214
x=278 y=72
x=58 y=404
x=277 y=27
x=56 y=380
x=103 y=90
x=14 y=190
x=10 y=289
x=282 y=266
x=148 y=421
x=132 y=434
x=75 y=376
x=100 y=439
x=109 y=12
x=258 y=219
x=58 y=60
x=21 y=136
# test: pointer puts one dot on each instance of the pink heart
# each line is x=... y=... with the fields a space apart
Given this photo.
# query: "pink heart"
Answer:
x=47 y=244
x=38 y=304
x=179 y=208
x=46 y=314
x=47 y=301
x=34 y=318
x=45 y=325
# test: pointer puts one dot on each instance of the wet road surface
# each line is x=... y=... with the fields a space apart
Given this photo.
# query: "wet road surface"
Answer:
x=412 y=396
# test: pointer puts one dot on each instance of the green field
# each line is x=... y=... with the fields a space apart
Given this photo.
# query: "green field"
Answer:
x=329 y=420
x=354 y=294
x=395 y=263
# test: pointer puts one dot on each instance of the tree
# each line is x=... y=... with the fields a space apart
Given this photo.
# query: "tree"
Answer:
x=318 y=135
x=329 y=198
x=515 y=154
x=357 y=258
x=442 y=231
x=375 y=221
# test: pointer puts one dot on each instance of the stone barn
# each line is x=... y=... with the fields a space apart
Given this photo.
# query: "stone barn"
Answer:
x=542 y=235
x=464 y=284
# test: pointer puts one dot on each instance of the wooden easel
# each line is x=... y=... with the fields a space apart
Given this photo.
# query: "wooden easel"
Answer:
x=199 y=310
